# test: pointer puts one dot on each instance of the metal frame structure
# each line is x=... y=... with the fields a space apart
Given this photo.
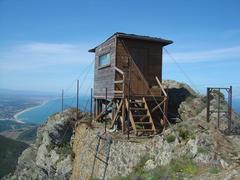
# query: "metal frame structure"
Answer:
x=217 y=90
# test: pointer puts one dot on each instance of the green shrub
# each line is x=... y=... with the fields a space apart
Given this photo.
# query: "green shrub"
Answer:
x=176 y=169
x=170 y=138
x=213 y=170
x=64 y=149
x=202 y=150
x=184 y=165
x=139 y=168
x=189 y=99
x=184 y=133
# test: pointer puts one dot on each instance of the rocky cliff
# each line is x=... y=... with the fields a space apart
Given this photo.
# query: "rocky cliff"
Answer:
x=188 y=148
x=51 y=156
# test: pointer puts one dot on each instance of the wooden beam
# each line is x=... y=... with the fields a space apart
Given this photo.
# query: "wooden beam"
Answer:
x=123 y=115
x=158 y=106
x=116 y=114
x=118 y=82
x=99 y=116
x=131 y=117
x=159 y=83
x=118 y=70
x=118 y=92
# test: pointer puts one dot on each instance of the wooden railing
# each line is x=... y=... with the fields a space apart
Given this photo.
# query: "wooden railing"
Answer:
x=122 y=81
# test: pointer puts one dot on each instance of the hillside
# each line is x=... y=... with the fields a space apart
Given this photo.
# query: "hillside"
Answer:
x=28 y=135
x=189 y=148
x=25 y=132
x=10 y=150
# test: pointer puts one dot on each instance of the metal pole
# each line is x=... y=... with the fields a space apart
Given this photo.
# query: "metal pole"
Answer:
x=62 y=99
x=230 y=109
x=105 y=122
x=218 y=108
x=91 y=104
x=77 y=96
x=208 y=104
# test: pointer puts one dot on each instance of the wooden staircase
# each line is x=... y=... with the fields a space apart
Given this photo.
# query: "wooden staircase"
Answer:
x=140 y=117
x=142 y=109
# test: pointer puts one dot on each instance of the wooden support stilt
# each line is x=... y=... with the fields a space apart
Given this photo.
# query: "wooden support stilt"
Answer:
x=103 y=113
x=95 y=108
x=123 y=116
x=119 y=108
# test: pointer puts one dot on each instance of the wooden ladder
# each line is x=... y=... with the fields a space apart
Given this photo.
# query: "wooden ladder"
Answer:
x=140 y=116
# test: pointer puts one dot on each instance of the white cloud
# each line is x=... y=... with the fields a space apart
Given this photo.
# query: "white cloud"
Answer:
x=204 y=56
x=39 y=55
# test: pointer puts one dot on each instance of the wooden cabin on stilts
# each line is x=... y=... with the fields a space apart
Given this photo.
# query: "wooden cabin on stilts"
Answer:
x=127 y=83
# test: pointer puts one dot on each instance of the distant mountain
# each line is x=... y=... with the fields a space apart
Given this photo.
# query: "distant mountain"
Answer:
x=10 y=150
x=26 y=92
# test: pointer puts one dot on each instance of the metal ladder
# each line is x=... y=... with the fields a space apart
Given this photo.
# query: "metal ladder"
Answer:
x=107 y=140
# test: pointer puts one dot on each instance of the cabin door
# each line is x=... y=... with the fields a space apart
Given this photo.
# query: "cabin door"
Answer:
x=139 y=56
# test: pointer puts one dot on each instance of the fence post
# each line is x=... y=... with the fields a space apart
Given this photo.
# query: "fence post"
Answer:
x=77 y=97
x=62 y=99
x=208 y=104
x=91 y=104
x=230 y=109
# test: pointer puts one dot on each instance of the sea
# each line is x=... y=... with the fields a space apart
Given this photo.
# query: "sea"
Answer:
x=39 y=114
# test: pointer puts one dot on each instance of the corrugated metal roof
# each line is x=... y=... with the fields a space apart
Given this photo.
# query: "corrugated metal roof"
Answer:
x=135 y=36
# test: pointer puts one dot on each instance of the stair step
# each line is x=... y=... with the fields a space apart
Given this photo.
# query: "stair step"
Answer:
x=145 y=130
x=140 y=115
x=136 y=102
x=119 y=81
x=138 y=108
x=142 y=123
x=118 y=92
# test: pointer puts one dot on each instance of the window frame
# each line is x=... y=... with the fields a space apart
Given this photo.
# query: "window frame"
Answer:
x=105 y=65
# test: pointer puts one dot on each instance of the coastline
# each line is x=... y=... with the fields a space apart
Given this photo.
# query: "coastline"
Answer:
x=16 y=116
x=28 y=109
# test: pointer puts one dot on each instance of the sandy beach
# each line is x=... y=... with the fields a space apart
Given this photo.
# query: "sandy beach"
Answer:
x=28 y=109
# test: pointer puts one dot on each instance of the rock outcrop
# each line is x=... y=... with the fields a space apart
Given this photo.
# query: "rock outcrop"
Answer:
x=51 y=156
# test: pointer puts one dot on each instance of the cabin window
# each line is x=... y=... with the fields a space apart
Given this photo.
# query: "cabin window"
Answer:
x=104 y=60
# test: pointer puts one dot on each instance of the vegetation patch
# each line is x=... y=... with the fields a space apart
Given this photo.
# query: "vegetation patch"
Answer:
x=63 y=150
x=202 y=150
x=214 y=170
x=184 y=132
x=170 y=138
x=28 y=135
x=10 y=150
x=177 y=169
x=189 y=99
x=139 y=168
x=184 y=165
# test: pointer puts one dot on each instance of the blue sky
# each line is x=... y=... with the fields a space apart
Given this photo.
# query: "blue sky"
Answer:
x=43 y=44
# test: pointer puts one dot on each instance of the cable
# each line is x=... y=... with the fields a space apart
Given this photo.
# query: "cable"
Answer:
x=181 y=69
